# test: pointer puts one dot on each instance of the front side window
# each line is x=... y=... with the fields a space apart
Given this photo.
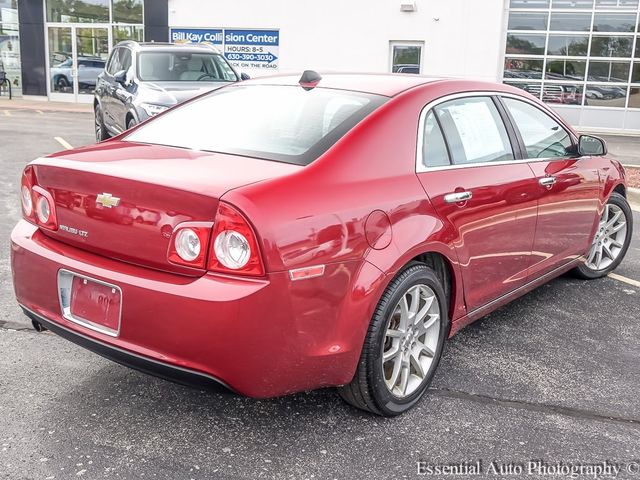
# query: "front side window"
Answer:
x=543 y=137
x=113 y=65
x=474 y=131
x=283 y=123
x=183 y=67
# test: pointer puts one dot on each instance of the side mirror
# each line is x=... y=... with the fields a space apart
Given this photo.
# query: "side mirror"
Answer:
x=244 y=76
x=591 y=146
x=121 y=77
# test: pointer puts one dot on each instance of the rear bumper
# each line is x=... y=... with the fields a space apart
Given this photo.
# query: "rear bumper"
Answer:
x=129 y=359
x=260 y=338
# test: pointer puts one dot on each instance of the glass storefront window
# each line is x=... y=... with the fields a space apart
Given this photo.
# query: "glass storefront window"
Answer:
x=634 y=97
x=573 y=4
x=78 y=11
x=127 y=32
x=127 y=11
x=566 y=69
x=582 y=57
x=562 y=93
x=523 y=44
x=611 y=46
x=529 y=4
x=606 y=95
x=10 y=44
x=570 y=22
x=8 y=11
x=617 y=4
x=614 y=22
x=523 y=68
x=568 y=45
x=609 y=71
x=528 y=21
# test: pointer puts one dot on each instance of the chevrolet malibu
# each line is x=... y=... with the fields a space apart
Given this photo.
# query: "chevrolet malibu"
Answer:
x=309 y=232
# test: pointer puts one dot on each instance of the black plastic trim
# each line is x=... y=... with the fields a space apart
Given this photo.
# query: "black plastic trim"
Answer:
x=165 y=371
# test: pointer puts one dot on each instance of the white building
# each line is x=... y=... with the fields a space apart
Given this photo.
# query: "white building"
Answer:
x=579 y=55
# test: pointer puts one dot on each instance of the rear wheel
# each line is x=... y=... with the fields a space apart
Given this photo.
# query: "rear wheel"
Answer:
x=611 y=240
x=403 y=345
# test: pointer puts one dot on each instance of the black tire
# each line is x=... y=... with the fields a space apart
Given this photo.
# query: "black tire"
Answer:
x=368 y=390
x=62 y=83
x=585 y=272
x=100 y=129
x=131 y=123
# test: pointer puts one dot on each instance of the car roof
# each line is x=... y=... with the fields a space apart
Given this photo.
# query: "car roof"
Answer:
x=386 y=84
x=168 y=47
x=391 y=84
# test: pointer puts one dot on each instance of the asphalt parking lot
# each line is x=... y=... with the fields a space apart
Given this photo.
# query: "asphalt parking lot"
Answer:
x=554 y=376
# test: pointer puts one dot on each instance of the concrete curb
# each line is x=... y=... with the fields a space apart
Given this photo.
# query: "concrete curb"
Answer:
x=45 y=106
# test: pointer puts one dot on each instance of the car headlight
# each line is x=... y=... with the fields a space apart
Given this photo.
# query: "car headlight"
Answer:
x=152 y=109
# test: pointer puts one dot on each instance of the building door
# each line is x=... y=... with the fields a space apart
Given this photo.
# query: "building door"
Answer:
x=77 y=55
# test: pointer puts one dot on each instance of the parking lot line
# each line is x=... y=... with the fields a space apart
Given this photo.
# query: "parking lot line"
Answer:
x=63 y=142
x=620 y=278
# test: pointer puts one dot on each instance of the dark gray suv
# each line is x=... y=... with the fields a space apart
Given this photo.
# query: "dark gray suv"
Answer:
x=141 y=80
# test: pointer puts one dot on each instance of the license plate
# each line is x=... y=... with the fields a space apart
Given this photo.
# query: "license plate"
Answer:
x=92 y=303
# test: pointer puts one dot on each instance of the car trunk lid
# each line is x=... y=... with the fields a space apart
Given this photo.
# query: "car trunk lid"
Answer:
x=122 y=200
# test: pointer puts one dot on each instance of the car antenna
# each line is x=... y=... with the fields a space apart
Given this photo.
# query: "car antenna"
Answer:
x=309 y=79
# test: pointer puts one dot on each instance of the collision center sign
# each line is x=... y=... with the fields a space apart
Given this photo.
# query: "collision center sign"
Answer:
x=197 y=35
x=251 y=51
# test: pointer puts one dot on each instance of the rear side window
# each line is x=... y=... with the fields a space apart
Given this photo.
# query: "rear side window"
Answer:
x=434 y=148
x=283 y=123
x=474 y=131
x=543 y=137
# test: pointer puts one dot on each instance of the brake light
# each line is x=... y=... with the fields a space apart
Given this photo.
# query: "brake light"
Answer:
x=38 y=206
x=189 y=244
x=234 y=247
x=45 y=210
x=26 y=194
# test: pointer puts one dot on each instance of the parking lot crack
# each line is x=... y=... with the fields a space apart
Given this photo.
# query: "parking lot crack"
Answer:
x=535 y=407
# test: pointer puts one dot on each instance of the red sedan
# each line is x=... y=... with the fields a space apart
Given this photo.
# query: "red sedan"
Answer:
x=313 y=232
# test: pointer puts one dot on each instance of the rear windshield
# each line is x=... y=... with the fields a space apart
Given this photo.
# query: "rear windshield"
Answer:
x=184 y=67
x=283 y=123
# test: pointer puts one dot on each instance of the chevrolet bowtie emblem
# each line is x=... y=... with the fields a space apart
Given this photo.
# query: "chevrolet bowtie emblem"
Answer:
x=107 y=200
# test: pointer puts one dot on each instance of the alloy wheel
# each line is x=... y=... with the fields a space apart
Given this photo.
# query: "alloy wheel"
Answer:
x=609 y=239
x=411 y=341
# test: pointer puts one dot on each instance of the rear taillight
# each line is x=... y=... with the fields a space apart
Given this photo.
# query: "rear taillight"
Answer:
x=45 y=210
x=234 y=245
x=38 y=206
x=231 y=245
x=26 y=194
x=189 y=244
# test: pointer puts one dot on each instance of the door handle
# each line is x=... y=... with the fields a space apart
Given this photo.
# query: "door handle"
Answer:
x=458 y=197
x=547 y=181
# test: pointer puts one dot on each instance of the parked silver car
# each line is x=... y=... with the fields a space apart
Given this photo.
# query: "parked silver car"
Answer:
x=141 y=80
